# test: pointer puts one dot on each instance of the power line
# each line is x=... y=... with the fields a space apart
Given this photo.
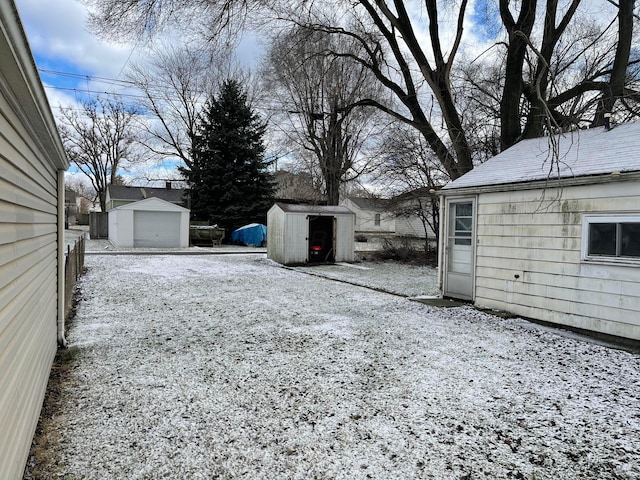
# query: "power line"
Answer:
x=81 y=76
x=100 y=92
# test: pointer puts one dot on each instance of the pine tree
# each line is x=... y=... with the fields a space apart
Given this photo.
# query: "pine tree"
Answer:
x=230 y=183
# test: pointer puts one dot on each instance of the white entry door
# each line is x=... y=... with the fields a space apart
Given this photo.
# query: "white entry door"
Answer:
x=459 y=272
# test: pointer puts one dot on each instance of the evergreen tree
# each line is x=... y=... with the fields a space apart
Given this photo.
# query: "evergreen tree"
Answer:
x=227 y=172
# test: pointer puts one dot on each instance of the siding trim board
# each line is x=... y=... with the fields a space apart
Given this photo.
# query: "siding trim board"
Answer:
x=531 y=245
x=32 y=164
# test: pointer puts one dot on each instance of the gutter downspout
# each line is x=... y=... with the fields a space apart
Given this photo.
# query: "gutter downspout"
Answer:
x=442 y=240
x=62 y=341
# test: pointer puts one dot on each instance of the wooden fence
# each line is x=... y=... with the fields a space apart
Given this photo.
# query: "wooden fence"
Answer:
x=98 y=225
x=73 y=268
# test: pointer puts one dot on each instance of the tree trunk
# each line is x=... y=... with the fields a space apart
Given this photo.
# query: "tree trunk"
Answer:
x=620 y=62
x=519 y=31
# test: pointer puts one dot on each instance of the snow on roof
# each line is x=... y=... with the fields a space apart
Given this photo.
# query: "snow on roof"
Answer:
x=129 y=192
x=582 y=153
x=314 y=209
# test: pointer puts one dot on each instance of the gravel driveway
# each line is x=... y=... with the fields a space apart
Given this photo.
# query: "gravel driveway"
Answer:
x=203 y=367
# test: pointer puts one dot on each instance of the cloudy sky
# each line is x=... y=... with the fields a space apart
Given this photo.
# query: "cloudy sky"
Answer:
x=75 y=64
x=60 y=43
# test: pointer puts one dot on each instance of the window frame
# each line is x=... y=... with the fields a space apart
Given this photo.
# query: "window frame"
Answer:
x=617 y=219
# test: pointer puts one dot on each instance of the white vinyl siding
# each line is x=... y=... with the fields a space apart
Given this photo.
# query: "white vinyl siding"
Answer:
x=31 y=164
x=411 y=227
x=28 y=288
x=530 y=262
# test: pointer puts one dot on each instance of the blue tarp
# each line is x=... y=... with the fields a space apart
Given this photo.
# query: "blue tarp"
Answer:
x=252 y=234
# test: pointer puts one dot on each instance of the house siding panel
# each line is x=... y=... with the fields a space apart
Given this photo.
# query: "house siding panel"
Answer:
x=30 y=156
x=539 y=241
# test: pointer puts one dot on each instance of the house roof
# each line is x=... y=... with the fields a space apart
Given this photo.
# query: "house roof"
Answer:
x=369 y=203
x=314 y=209
x=583 y=153
x=126 y=192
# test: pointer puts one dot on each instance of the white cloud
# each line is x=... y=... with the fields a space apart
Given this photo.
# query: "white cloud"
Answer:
x=59 y=39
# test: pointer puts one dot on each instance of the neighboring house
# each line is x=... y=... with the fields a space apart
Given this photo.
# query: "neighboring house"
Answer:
x=118 y=195
x=32 y=165
x=557 y=242
x=151 y=222
x=373 y=215
x=297 y=188
x=398 y=216
x=414 y=211
x=299 y=234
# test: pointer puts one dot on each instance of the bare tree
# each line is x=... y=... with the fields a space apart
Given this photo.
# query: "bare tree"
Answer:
x=317 y=94
x=175 y=84
x=414 y=53
x=411 y=168
x=99 y=139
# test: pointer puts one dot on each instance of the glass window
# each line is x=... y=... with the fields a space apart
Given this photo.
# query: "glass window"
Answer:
x=602 y=239
x=377 y=219
x=613 y=237
x=463 y=223
x=630 y=239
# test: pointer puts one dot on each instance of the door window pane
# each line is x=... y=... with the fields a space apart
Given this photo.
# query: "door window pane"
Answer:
x=464 y=210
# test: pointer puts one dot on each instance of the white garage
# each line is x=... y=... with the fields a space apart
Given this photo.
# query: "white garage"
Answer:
x=149 y=223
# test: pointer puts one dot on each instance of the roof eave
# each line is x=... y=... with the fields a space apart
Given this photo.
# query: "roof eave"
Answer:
x=542 y=184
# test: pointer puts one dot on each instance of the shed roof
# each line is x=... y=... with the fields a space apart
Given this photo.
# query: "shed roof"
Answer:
x=582 y=153
x=126 y=192
x=314 y=209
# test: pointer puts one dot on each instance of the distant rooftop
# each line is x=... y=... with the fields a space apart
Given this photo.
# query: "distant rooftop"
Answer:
x=369 y=203
x=582 y=153
x=127 y=192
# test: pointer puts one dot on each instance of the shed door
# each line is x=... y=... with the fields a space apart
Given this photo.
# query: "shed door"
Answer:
x=321 y=239
x=459 y=253
x=156 y=229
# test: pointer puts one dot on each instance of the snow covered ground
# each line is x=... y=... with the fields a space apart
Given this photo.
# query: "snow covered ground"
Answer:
x=230 y=366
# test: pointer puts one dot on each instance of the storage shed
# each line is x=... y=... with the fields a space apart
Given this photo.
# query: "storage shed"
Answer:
x=152 y=223
x=32 y=165
x=299 y=234
x=555 y=239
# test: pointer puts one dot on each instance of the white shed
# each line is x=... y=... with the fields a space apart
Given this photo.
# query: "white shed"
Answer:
x=298 y=234
x=152 y=222
x=560 y=243
x=32 y=165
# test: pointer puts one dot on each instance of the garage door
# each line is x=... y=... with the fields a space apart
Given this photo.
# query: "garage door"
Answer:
x=156 y=229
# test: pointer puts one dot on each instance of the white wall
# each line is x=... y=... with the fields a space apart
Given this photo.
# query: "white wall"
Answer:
x=287 y=236
x=31 y=214
x=412 y=227
x=540 y=242
x=121 y=227
x=121 y=221
x=365 y=219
